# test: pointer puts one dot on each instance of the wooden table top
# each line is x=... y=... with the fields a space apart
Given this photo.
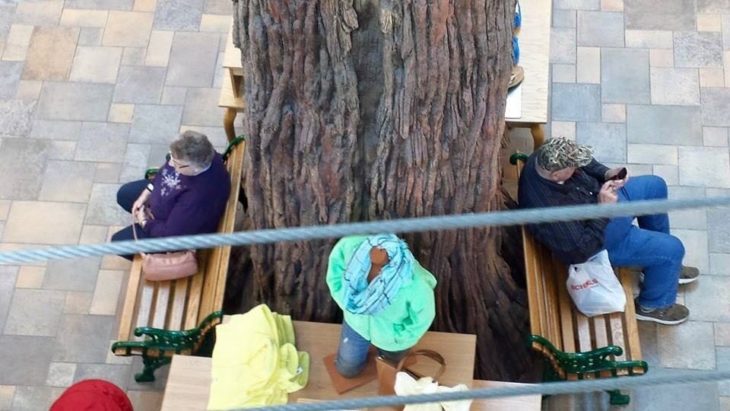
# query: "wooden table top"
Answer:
x=534 y=41
x=188 y=383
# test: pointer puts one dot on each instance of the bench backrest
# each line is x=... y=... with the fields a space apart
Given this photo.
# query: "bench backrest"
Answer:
x=183 y=303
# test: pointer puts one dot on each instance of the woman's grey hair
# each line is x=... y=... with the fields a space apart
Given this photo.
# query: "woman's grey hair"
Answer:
x=559 y=153
x=194 y=148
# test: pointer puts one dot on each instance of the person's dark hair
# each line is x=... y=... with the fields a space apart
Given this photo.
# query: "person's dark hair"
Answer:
x=193 y=147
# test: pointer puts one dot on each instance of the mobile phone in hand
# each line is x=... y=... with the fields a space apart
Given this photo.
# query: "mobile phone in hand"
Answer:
x=620 y=175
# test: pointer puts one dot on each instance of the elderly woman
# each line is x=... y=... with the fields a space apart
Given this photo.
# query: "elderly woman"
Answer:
x=187 y=196
x=386 y=296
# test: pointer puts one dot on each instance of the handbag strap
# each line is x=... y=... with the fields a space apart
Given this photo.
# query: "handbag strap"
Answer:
x=433 y=355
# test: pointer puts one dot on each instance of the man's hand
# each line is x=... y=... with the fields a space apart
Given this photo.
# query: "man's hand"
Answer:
x=612 y=173
x=607 y=195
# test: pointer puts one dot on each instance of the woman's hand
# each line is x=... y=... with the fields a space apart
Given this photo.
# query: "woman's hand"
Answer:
x=141 y=201
x=613 y=174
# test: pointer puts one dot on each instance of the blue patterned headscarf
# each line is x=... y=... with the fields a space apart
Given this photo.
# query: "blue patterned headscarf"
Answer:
x=363 y=298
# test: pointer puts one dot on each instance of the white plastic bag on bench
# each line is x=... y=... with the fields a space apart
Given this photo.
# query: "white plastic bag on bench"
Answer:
x=594 y=287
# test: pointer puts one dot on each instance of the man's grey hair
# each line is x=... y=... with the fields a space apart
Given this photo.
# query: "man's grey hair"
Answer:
x=559 y=153
x=194 y=148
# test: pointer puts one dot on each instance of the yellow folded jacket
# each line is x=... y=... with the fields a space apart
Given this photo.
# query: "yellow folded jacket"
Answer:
x=255 y=362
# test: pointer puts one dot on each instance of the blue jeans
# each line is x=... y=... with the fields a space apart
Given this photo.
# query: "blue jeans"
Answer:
x=649 y=246
x=352 y=354
x=126 y=196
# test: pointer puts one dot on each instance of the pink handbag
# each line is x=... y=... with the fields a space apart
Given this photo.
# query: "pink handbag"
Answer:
x=167 y=266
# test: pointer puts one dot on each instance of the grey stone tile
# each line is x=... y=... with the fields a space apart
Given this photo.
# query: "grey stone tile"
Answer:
x=675 y=86
x=155 y=124
x=96 y=64
x=75 y=101
x=83 y=338
x=201 y=107
x=27 y=155
x=714 y=136
x=713 y=6
x=693 y=49
x=562 y=46
x=90 y=36
x=7 y=12
x=715 y=106
x=35 y=312
x=39 y=13
x=8 y=276
x=608 y=140
x=7 y=392
x=61 y=150
x=100 y=4
x=564 y=18
x=107 y=172
x=648 y=338
x=56 y=130
x=576 y=102
x=61 y=374
x=116 y=374
x=67 y=181
x=127 y=29
x=660 y=14
x=178 y=14
x=652 y=154
x=135 y=162
x=563 y=73
x=718 y=230
x=16 y=117
x=649 y=39
x=10 y=72
x=720 y=265
x=174 y=96
x=664 y=125
x=35 y=398
x=103 y=208
x=723 y=364
x=695 y=218
x=218 y=7
x=625 y=76
x=708 y=300
x=691 y=396
x=40 y=222
x=577 y=4
x=192 y=59
x=689 y=346
x=102 y=142
x=139 y=85
x=695 y=245
x=600 y=29
x=25 y=360
x=693 y=169
x=76 y=274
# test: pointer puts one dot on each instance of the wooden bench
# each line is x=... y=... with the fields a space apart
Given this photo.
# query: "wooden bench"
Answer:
x=230 y=98
x=575 y=346
x=163 y=318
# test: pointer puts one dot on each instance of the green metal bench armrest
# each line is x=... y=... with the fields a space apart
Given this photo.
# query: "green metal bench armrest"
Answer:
x=514 y=158
x=582 y=363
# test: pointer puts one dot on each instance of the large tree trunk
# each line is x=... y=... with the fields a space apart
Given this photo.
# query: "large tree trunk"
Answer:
x=367 y=110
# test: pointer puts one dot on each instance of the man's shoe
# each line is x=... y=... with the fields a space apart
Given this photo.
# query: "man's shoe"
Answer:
x=672 y=315
x=688 y=274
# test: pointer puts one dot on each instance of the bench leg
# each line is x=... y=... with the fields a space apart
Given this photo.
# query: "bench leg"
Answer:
x=617 y=398
x=150 y=365
x=228 y=119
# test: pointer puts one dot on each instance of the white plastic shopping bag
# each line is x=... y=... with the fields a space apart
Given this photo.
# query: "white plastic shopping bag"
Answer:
x=594 y=287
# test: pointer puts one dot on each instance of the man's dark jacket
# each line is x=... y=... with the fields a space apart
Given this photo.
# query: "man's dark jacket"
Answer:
x=573 y=242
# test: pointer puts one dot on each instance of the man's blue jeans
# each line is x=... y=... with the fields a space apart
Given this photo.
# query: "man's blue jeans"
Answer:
x=649 y=245
x=352 y=354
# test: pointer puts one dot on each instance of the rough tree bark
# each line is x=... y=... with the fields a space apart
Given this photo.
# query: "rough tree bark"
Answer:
x=377 y=109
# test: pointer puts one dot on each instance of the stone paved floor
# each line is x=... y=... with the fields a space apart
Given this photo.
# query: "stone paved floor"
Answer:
x=91 y=91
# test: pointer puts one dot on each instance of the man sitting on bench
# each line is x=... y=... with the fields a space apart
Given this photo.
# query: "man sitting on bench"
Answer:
x=561 y=173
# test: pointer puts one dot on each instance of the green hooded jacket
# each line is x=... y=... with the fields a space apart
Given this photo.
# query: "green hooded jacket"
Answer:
x=400 y=325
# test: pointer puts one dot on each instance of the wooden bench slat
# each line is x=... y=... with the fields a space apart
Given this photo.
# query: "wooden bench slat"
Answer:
x=566 y=319
x=177 y=305
x=162 y=299
x=550 y=275
x=633 y=349
x=145 y=306
x=193 y=301
x=129 y=309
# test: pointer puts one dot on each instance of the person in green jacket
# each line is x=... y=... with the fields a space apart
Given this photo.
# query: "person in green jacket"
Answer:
x=386 y=296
